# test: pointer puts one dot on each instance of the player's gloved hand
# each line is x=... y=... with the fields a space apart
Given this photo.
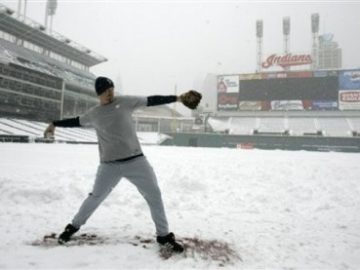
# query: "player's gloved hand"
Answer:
x=191 y=99
x=49 y=131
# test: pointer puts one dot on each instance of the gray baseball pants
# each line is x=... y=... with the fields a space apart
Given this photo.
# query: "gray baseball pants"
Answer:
x=139 y=172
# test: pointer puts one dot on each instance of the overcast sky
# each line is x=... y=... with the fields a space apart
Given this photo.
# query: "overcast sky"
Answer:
x=153 y=45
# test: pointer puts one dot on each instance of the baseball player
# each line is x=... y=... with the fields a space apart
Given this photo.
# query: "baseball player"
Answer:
x=121 y=155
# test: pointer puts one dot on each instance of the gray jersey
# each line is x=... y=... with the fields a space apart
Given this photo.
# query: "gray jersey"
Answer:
x=114 y=127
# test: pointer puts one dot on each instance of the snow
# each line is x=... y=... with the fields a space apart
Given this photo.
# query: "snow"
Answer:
x=277 y=209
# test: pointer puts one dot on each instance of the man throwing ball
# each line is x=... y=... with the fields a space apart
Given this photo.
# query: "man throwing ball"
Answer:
x=121 y=155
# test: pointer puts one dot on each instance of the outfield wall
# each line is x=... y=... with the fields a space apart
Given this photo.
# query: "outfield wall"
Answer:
x=313 y=143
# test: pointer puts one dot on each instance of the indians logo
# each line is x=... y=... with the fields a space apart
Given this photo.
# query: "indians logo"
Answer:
x=287 y=60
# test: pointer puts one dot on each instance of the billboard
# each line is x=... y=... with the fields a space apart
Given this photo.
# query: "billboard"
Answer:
x=306 y=88
x=228 y=84
x=325 y=73
x=300 y=74
x=349 y=93
x=349 y=99
x=228 y=92
x=274 y=75
x=228 y=101
x=286 y=105
x=349 y=80
x=250 y=105
x=250 y=76
x=290 y=90
x=319 y=105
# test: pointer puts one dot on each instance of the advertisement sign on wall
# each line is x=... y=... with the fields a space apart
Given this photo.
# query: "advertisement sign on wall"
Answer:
x=299 y=74
x=349 y=99
x=290 y=90
x=274 y=75
x=319 y=105
x=349 y=80
x=292 y=74
x=325 y=73
x=286 y=105
x=260 y=105
x=228 y=84
x=250 y=106
x=228 y=101
x=251 y=76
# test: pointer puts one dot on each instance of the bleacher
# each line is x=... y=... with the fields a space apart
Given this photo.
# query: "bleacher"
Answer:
x=11 y=129
x=335 y=127
x=242 y=125
x=302 y=126
x=292 y=126
x=35 y=130
x=219 y=124
x=355 y=124
x=271 y=125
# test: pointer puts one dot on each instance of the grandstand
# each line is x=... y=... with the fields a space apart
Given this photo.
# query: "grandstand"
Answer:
x=296 y=126
x=43 y=76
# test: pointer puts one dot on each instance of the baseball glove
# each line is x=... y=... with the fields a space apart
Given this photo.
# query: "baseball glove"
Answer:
x=191 y=99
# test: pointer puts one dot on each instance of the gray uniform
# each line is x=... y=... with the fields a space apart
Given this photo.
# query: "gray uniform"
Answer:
x=118 y=141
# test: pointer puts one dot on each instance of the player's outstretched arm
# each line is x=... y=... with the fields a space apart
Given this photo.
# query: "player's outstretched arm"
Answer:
x=190 y=99
x=71 y=122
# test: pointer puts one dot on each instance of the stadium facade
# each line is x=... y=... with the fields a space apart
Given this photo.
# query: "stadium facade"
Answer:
x=293 y=110
x=318 y=90
x=319 y=102
x=45 y=76
x=289 y=94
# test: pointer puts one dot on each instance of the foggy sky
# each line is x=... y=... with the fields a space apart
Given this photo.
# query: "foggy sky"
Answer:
x=153 y=45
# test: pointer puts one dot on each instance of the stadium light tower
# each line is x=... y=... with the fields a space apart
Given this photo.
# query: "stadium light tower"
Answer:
x=50 y=10
x=19 y=7
x=315 y=36
x=20 y=11
x=259 y=36
x=286 y=33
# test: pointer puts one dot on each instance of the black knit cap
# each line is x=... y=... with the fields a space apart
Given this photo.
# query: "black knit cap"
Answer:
x=102 y=84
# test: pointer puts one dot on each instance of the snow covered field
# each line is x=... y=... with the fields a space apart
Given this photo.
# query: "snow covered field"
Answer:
x=277 y=209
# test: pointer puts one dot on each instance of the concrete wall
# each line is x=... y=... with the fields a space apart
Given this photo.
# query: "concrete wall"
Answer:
x=315 y=143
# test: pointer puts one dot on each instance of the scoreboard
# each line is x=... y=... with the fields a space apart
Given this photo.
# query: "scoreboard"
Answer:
x=313 y=88
x=292 y=90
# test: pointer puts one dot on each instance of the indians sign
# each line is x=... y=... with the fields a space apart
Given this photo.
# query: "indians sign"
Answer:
x=287 y=60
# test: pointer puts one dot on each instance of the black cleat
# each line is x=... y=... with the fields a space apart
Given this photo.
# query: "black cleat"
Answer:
x=169 y=242
x=66 y=234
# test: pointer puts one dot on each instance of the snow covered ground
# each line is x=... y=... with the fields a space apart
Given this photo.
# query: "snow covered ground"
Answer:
x=277 y=209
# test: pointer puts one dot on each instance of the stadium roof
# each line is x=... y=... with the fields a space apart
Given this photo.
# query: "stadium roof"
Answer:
x=33 y=32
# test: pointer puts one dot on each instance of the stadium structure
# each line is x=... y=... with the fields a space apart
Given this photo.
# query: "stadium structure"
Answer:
x=292 y=101
x=46 y=76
